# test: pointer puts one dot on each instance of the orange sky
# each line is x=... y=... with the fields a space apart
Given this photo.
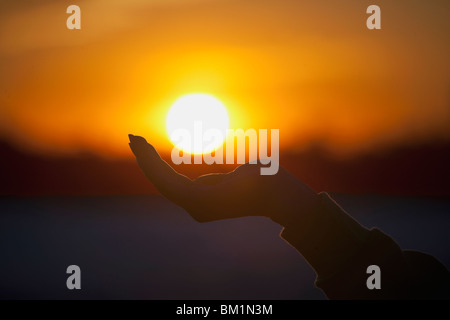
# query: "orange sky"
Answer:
x=309 y=68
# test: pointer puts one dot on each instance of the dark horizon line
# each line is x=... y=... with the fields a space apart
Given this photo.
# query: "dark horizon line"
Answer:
x=409 y=170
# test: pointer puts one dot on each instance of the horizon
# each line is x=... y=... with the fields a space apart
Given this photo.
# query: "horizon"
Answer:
x=409 y=171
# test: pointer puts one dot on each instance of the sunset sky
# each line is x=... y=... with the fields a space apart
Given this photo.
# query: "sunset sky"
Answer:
x=309 y=68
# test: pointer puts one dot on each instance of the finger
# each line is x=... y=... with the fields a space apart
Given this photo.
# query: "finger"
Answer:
x=174 y=186
x=143 y=150
x=136 y=139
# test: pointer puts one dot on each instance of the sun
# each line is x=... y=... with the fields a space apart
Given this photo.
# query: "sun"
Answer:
x=192 y=115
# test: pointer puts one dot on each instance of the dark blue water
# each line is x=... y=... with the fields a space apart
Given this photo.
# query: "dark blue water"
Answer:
x=143 y=247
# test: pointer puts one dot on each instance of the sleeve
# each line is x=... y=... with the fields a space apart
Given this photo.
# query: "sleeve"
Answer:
x=340 y=250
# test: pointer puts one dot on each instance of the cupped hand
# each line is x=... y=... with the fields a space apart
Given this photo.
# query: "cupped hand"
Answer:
x=239 y=193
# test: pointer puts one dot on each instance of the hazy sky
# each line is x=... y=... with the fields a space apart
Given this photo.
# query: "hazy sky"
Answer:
x=309 y=68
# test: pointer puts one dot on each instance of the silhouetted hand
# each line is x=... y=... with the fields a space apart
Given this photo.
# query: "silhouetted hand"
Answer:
x=239 y=193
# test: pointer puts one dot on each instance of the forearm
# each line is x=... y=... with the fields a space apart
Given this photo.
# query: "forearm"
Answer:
x=327 y=237
x=339 y=249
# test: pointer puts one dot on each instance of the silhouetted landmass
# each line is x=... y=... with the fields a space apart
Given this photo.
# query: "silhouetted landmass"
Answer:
x=30 y=174
x=416 y=170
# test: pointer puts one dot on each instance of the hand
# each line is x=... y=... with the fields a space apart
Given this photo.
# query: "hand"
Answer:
x=239 y=193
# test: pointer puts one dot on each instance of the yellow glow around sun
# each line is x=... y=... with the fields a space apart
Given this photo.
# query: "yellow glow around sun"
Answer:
x=193 y=115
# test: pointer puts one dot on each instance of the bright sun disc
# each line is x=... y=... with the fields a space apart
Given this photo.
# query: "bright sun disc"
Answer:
x=191 y=110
